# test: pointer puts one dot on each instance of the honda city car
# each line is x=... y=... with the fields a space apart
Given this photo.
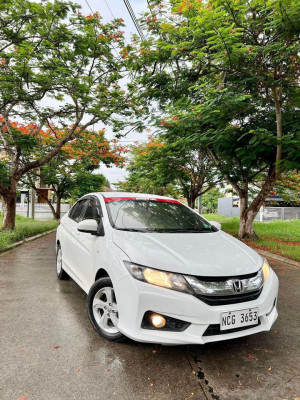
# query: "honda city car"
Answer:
x=156 y=271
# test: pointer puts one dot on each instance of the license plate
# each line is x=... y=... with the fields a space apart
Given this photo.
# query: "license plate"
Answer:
x=238 y=319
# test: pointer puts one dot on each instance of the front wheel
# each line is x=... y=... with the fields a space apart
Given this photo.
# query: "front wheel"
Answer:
x=61 y=274
x=103 y=310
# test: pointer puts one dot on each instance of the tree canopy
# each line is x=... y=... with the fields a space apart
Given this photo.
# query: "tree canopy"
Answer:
x=170 y=169
x=72 y=172
x=60 y=73
x=225 y=76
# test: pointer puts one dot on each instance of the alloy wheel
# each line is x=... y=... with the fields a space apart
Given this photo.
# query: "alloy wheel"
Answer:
x=105 y=310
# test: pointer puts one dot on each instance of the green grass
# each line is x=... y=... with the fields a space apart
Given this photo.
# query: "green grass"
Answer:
x=24 y=227
x=280 y=237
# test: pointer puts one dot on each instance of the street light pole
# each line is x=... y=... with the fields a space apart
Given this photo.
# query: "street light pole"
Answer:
x=199 y=204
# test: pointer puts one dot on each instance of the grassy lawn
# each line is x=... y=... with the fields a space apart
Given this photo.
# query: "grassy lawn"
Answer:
x=24 y=227
x=279 y=237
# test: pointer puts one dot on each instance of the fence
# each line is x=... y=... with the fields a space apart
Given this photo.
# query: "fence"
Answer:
x=226 y=208
x=41 y=210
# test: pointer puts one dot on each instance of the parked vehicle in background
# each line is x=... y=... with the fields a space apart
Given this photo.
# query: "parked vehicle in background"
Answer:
x=156 y=271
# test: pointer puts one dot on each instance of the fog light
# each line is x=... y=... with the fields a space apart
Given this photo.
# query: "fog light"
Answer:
x=158 y=321
x=153 y=320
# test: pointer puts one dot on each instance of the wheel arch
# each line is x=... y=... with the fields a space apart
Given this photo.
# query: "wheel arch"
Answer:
x=101 y=273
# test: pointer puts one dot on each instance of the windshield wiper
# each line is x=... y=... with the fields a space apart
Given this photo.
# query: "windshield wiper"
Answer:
x=198 y=230
x=183 y=230
x=166 y=230
x=132 y=230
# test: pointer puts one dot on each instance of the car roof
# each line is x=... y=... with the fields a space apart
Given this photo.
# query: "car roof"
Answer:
x=129 y=195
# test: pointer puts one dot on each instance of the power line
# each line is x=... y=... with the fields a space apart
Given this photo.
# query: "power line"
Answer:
x=93 y=13
x=109 y=9
x=89 y=6
x=113 y=16
x=135 y=21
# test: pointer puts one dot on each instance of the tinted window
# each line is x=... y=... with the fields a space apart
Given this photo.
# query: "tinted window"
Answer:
x=77 y=210
x=155 y=216
x=93 y=210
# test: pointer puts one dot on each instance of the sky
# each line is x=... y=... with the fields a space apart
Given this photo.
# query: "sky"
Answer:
x=117 y=9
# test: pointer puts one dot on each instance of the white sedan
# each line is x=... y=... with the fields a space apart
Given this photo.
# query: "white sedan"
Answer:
x=156 y=271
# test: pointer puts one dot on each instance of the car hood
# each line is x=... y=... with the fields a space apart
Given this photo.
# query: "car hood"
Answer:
x=201 y=254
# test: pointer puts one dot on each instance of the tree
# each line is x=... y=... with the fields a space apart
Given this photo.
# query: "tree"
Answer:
x=210 y=201
x=86 y=182
x=59 y=74
x=160 y=167
x=228 y=72
x=70 y=174
x=288 y=187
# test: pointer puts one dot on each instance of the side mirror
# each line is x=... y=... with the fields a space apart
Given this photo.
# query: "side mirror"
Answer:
x=216 y=224
x=88 y=226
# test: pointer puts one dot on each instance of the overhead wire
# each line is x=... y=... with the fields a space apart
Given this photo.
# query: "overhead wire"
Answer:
x=135 y=21
x=89 y=6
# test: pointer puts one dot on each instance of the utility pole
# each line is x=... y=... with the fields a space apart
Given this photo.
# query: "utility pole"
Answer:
x=32 y=202
x=199 y=204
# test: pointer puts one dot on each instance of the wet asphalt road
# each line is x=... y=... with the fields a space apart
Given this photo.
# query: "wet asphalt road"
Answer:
x=48 y=349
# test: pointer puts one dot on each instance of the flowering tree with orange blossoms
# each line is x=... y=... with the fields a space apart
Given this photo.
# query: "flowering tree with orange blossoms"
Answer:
x=288 y=187
x=224 y=75
x=70 y=173
x=59 y=74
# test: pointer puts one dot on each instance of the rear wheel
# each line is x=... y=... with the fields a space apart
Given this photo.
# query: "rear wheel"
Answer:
x=61 y=274
x=103 y=310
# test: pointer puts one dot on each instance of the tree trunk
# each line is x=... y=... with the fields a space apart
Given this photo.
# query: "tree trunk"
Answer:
x=247 y=217
x=9 y=211
x=191 y=201
x=54 y=212
x=277 y=94
x=248 y=213
x=58 y=207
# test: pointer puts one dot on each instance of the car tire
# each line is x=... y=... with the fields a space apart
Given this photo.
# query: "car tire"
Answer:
x=61 y=274
x=103 y=310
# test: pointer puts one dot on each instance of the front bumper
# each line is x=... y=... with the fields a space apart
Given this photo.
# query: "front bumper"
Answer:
x=134 y=298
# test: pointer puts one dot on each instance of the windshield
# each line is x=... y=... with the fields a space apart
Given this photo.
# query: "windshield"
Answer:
x=155 y=216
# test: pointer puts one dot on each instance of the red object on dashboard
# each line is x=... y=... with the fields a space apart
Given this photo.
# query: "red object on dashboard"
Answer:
x=109 y=199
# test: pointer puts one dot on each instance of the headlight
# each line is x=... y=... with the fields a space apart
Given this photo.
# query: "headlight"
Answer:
x=158 y=278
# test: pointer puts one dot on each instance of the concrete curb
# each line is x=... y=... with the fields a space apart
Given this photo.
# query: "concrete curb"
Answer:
x=28 y=239
x=278 y=258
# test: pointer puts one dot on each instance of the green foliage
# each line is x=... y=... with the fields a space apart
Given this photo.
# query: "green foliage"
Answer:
x=60 y=72
x=288 y=187
x=70 y=173
x=25 y=227
x=210 y=200
x=49 y=50
x=283 y=230
x=279 y=237
x=86 y=182
x=225 y=75
x=170 y=169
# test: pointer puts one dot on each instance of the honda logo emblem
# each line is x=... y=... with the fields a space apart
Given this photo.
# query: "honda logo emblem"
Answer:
x=237 y=287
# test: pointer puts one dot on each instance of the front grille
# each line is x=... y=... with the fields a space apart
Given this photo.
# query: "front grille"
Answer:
x=232 y=299
x=214 y=330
